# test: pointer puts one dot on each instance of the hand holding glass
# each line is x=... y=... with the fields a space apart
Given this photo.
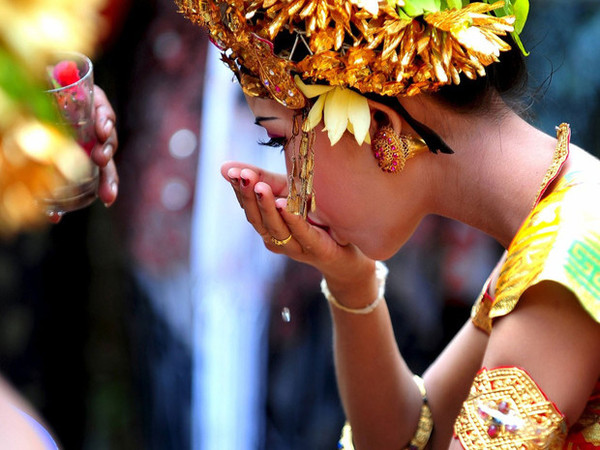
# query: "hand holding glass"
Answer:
x=72 y=82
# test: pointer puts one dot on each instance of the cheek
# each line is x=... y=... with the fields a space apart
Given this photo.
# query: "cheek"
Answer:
x=342 y=200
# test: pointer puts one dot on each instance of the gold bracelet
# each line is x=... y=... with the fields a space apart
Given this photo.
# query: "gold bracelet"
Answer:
x=381 y=272
x=421 y=436
x=425 y=425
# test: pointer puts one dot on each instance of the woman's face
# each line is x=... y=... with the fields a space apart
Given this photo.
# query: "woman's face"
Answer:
x=355 y=201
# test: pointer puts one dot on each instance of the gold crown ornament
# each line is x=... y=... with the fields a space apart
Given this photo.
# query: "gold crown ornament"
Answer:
x=386 y=47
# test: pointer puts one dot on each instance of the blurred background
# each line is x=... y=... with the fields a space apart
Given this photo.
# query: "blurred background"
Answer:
x=162 y=323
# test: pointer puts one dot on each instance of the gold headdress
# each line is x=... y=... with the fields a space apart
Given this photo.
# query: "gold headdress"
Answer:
x=386 y=47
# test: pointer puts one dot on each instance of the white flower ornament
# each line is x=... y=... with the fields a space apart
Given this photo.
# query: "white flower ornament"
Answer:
x=341 y=108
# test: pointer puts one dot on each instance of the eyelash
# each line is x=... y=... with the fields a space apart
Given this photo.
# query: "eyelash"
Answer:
x=275 y=142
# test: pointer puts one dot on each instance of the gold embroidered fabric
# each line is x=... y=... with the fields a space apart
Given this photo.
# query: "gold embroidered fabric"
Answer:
x=506 y=410
x=560 y=242
x=480 y=313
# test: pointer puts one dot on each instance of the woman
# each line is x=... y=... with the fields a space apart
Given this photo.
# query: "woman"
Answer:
x=431 y=76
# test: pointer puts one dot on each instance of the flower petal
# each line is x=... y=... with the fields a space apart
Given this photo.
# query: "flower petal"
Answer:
x=315 y=114
x=372 y=6
x=359 y=116
x=473 y=39
x=336 y=114
x=311 y=90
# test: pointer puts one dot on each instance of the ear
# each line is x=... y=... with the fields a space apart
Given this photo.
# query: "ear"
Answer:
x=383 y=115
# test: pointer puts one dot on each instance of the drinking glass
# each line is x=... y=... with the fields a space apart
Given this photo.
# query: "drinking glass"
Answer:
x=72 y=90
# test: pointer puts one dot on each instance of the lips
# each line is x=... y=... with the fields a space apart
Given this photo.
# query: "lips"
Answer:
x=316 y=224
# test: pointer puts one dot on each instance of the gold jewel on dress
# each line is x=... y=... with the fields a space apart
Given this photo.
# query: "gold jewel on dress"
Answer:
x=506 y=409
x=392 y=150
x=281 y=242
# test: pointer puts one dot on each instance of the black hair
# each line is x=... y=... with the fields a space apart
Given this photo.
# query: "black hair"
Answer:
x=508 y=77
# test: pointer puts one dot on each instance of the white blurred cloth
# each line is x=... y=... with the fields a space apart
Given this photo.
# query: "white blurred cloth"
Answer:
x=232 y=274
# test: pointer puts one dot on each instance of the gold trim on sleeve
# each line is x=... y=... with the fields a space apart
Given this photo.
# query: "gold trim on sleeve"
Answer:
x=507 y=410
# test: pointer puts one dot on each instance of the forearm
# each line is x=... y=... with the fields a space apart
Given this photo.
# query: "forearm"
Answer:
x=379 y=395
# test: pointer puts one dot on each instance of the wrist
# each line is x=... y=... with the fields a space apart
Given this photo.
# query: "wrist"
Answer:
x=358 y=294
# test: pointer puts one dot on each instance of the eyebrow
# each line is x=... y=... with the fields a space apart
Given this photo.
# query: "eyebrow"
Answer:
x=260 y=119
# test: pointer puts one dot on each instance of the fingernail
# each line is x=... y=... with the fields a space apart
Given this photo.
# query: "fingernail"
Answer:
x=245 y=182
x=108 y=125
x=107 y=151
x=113 y=189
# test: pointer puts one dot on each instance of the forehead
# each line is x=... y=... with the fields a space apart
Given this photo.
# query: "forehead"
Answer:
x=264 y=107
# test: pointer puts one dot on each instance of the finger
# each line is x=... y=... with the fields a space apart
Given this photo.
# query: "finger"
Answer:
x=106 y=131
x=275 y=228
x=104 y=151
x=108 y=186
x=277 y=181
x=233 y=176
x=105 y=115
x=248 y=179
x=311 y=240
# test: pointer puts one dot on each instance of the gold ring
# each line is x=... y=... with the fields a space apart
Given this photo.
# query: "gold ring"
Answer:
x=281 y=242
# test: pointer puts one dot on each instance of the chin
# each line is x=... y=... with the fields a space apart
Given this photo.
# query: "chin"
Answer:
x=378 y=252
x=381 y=250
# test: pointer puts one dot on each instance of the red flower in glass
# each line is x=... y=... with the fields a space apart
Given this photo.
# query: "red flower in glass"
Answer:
x=66 y=73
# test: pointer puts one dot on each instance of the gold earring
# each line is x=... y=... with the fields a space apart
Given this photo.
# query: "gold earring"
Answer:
x=392 y=150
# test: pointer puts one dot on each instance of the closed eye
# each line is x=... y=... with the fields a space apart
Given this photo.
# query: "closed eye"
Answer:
x=275 y=142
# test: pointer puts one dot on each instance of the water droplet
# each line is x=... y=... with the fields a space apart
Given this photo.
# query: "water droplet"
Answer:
x=286 y=316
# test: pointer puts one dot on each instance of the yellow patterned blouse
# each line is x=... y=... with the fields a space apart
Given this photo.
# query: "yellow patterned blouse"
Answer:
x=559 y=241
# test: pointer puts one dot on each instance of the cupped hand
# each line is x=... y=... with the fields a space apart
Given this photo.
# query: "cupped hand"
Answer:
x=262 y=196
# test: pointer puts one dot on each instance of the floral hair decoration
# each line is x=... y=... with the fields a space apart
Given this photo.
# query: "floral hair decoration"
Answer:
x=287 y=49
